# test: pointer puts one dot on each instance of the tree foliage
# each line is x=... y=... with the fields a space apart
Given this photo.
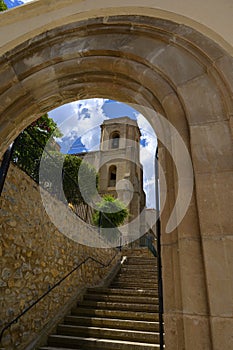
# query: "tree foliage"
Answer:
x=78 y=188
x=114 y=212
x=27 y=154
x=30 y=144
x=61 y=173
x=3 y=6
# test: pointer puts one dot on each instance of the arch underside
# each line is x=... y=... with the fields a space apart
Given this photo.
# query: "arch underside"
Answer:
x=168 y=68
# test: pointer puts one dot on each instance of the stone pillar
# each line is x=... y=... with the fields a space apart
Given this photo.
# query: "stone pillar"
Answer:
x=214 y=181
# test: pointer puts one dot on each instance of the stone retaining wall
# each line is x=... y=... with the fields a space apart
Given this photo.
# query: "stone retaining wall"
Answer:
x=34 y=255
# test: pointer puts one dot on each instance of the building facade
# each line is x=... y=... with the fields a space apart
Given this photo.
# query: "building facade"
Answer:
x=120 y=170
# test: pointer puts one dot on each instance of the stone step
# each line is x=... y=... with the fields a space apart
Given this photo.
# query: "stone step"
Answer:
x=108 y=333
x=135 y=281
x=110 y=291
x=137 y=275
x=93 y=343
x=121 y=298
x=127 y=278
x=119 y=314
x=126 y=275
x=139 y=263
x=52 y=348
x=141 y=259
x=136 y=271
x=122 y=317
x=136 y=284
x=136 y=288
x=122 y=284
x=136 y=278
x=131 y=270
x=118 y=306
x=112 y=323
x=139 y=281
x=144 y=265
x=139 y=267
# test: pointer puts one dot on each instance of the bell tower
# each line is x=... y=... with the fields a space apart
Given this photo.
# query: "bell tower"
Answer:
x=120 y=173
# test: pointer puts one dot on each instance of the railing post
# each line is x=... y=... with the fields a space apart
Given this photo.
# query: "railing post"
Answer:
x=159 y=261
x=100 y=222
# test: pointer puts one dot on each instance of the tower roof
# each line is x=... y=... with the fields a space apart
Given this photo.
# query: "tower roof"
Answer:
x=121 y=120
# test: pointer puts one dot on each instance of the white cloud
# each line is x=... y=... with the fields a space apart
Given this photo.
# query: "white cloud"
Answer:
x=149 y=188
x=81 y=119
x=147 y=132
x=147 y=156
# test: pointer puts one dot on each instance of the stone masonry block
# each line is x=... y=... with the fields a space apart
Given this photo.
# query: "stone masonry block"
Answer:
x=202 y=101
x=215 y=207
x=222 y=333
x=218 y=253
x=212 y=147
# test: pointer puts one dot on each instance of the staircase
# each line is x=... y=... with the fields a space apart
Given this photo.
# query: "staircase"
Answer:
x=123 y=316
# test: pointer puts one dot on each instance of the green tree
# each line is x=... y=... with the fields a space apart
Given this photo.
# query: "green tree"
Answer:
x=28 y=150
x=30 y=144
x=78 y=188
x=111 y=212
x=3 y=6
x=62 y=172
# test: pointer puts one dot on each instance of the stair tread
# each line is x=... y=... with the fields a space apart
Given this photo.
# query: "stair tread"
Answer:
x=55 y=348
x=107 y=329
x=139 y=278
x=113 y=304
x=119 y=298
x=111 y=319
x=123 y=291
x=134 y=285
x=109 y=333
x=90 y=339
x=147 y=316
x=110 y=311
x=138 y=283
x=121 y=316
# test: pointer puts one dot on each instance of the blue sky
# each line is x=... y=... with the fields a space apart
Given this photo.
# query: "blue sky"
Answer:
x=14 y=3
x=80 y=124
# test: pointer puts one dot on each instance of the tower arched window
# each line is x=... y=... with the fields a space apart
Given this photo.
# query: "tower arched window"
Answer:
x=112 y=176
x=115 y=140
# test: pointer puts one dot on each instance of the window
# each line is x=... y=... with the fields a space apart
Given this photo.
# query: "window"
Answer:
x=115 y=138
x=112 y=176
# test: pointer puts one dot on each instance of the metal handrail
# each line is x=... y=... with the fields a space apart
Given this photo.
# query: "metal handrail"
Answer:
x=15 y=320
x=151 y=247
x=159 y=260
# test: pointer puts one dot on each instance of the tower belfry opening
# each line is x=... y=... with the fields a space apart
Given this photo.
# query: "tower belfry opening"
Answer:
x=115 y=139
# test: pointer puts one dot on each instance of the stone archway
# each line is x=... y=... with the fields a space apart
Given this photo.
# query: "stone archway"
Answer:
x=186 y=77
